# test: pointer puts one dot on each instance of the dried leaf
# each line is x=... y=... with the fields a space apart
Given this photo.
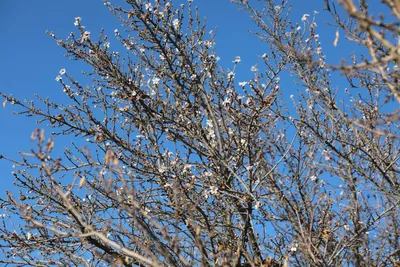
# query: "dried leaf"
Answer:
x=57 y=163
x=82 y=181
x=397 y=5
x=268 y=99
x=109 y=158
x=99 y=138
x=50 y=145
x=124 y=109
x=35 y=134
x=60 y=117
x=41 y=137
x=336 y=38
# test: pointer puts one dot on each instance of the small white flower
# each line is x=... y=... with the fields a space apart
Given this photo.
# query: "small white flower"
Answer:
x=326 y=154
x=243 y=84
x=254 y=68
x=346 y=227
x=156 y=81
x=258 y=205
x=85 y=36
x=148 y=6
x=107 y=45
x=29 y=235
x=103 y=172
x=176 y=24
x=226 y=101
x=62 y=71
x=293 y=249
x=313 y=178
x=231 y=75
x=213 y=190
x=277 y=8
x=58 y=78
x=77 y=21
x=116 y=31
x=298 y=28
x=237 y=60
x=162 y=169
x=207 y=44
x=264 y=55
x=249 y=168
x=305 y=17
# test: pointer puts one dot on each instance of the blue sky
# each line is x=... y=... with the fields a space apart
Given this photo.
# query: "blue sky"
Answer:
x=30 y=59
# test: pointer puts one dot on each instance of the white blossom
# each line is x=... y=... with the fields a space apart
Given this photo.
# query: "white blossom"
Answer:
x=77 y=21
x=237 y=60
x=305 y=17
x=213 y=190
x=326 y=154
x=176 y=24
x=62 y=71
x=155 y=81
x=148 y=6
x=85 y=36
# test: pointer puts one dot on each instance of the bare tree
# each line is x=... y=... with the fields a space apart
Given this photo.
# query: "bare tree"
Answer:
x=184 y=166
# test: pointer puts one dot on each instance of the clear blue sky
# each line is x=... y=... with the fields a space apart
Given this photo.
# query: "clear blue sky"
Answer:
x=30 y=59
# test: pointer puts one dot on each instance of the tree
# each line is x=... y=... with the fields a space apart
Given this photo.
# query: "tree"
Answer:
x=184 y=167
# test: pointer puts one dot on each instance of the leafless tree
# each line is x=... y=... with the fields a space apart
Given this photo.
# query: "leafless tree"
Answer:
x=175 y=163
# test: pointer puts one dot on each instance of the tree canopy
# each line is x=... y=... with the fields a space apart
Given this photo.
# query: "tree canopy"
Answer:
x=174 y=162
